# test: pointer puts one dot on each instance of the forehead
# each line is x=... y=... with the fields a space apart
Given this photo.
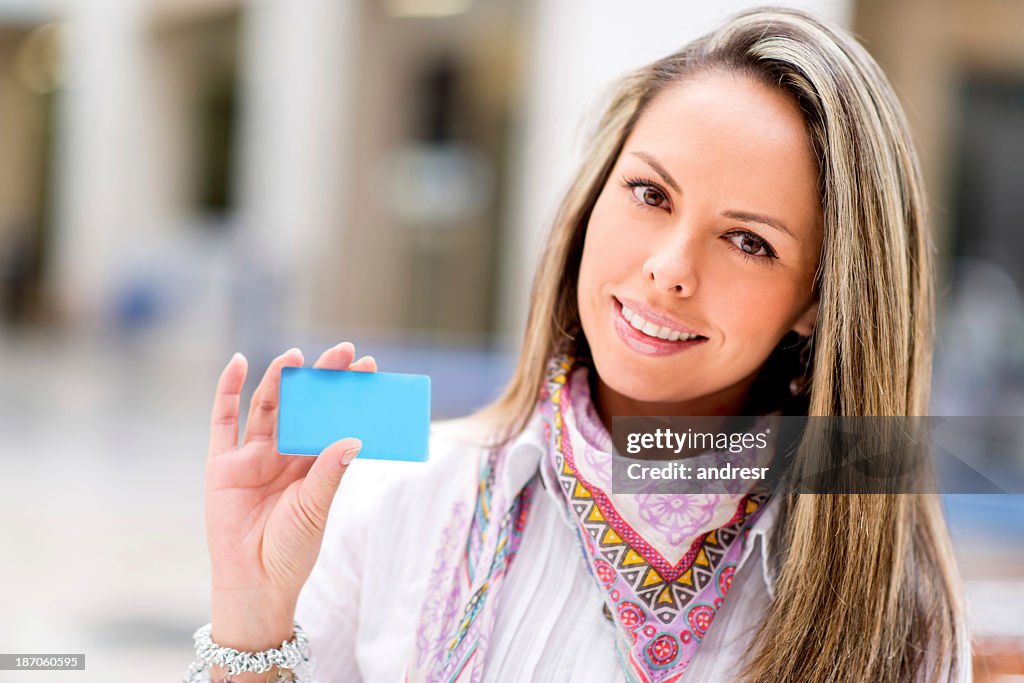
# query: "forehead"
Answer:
x=733 y=139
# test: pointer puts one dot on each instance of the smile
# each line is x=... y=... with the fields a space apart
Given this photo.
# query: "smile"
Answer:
x=648 y=337
x=652 y=329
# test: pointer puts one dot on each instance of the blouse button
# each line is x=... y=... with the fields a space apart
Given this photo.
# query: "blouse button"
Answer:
x=607 y=613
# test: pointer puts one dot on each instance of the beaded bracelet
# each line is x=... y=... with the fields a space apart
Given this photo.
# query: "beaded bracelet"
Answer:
x=293 y=655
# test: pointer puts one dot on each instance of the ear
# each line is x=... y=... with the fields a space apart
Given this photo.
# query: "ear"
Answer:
x=805 y=323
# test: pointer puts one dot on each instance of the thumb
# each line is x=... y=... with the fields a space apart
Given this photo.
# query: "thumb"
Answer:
x=321 y=482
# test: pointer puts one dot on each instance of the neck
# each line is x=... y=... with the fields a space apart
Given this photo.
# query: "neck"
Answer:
x=732 y=400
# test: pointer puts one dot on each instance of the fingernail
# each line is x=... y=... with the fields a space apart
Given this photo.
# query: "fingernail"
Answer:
x=350 y=455
x=235 y=357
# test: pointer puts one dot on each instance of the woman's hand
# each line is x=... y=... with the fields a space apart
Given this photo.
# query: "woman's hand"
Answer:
x=266 y=512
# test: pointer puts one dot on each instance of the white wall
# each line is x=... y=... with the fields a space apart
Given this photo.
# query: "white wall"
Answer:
x=298 y=62
x=100 y=173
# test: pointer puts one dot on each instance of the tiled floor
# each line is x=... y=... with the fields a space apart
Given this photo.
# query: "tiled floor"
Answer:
x=101 y=508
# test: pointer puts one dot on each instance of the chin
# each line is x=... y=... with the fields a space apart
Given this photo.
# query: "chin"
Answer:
x=647 y=384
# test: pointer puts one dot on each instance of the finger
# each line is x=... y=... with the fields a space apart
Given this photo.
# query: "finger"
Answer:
x=321 y=482
x=224 y=417
x=263 y=408
x=364 y=364
x=337 y=357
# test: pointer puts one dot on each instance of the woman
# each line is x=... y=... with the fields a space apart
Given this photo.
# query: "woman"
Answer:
x=745 y=236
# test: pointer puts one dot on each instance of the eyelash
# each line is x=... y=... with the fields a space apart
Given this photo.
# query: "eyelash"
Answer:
x=631 y=183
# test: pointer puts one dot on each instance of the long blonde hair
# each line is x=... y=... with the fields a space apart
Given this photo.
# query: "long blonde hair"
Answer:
x=867 y=587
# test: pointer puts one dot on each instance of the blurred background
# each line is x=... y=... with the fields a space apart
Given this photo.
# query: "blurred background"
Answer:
x=180 y=179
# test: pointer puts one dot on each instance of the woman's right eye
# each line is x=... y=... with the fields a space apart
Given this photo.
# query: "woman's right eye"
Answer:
x=647 y=193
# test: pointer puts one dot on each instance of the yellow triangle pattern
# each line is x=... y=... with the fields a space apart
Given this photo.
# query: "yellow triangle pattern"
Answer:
x=632 y=557
x=581 y=491
x=595 y=515
x=610 y=537
x=702 y=559
x=652 y=578
x=665 y=596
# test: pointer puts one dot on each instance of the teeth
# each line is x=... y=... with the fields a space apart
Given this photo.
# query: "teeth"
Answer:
x=650 y=329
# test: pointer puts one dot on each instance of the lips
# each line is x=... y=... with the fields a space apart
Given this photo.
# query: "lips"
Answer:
x=653 y=323
x=651 y=338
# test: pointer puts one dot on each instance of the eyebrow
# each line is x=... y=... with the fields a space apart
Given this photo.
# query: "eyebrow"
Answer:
x=760 y=218
x=659 y=169
x=735 y=215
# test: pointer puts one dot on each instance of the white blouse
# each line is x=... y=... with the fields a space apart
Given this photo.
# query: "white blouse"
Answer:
x=361 y=604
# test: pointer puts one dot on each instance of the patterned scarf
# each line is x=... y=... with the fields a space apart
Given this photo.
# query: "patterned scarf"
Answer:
x=664 y=563
x=458 y=612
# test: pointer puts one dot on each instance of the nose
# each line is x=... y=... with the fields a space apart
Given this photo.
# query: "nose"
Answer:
x=671 y=267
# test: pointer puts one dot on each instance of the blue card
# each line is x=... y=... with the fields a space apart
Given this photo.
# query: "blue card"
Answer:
x=389 y=412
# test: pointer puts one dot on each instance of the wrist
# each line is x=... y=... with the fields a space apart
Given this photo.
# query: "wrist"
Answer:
x=251 y=620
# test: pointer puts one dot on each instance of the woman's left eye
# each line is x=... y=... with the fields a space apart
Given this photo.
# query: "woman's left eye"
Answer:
x=751 y=245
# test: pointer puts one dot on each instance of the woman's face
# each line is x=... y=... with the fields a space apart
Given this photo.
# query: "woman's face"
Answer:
x=709 y=225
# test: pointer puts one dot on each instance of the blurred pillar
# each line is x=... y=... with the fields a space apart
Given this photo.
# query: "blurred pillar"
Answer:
x=579 y=48
x=100 y=169
x=297 y=64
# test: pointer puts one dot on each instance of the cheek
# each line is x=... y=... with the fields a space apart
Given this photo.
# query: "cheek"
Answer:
x=758 y=309
x=607 y=257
